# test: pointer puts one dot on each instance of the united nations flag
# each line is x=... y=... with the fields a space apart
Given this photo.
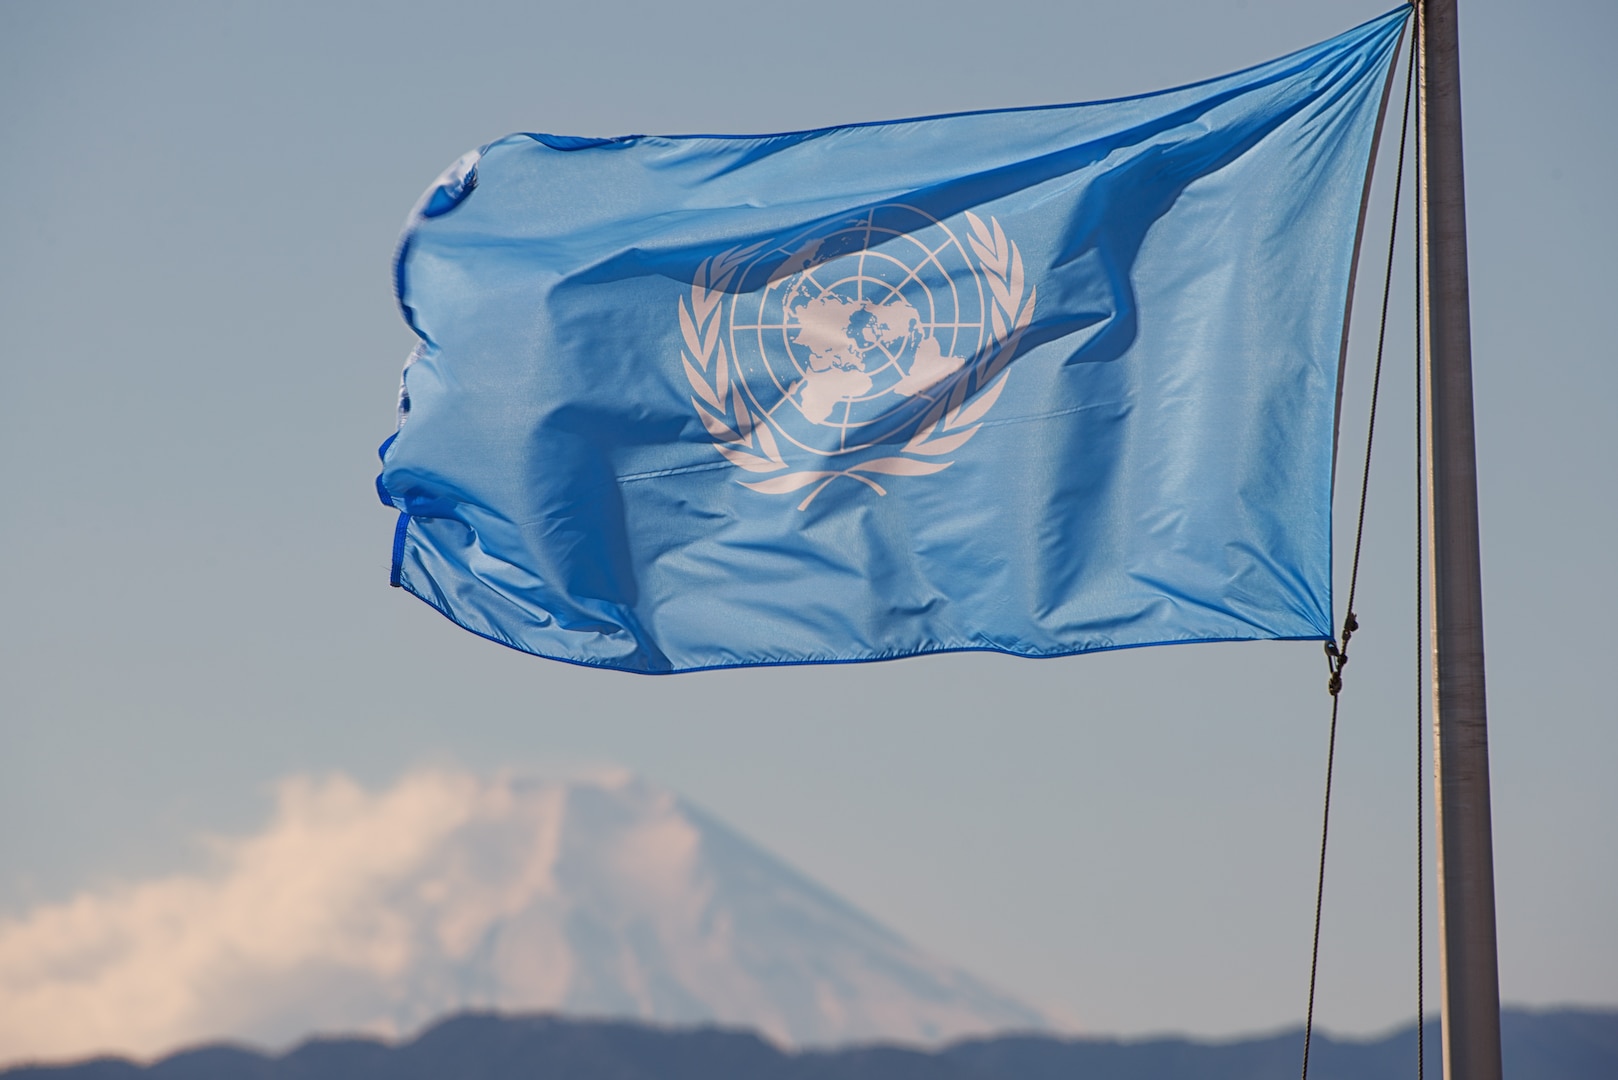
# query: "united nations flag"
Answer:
x=1038 y=381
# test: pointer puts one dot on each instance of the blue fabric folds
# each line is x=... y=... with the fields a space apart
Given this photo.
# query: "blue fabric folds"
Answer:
x=1038 y=381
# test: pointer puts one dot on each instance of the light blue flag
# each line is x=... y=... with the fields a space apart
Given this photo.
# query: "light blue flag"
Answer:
x=1039 y=381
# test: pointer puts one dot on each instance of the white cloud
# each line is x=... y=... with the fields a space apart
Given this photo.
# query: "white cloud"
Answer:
x=142 y=968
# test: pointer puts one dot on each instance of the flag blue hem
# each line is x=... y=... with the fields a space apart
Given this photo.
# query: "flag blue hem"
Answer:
x=381 y=487
x=396 y=571
x=819 y=662
x=1348 y=316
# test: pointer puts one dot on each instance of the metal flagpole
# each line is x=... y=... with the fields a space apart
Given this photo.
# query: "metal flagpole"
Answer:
x=1471 y=985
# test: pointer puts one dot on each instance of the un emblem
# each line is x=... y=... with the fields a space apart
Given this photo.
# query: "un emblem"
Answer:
x=872 y=347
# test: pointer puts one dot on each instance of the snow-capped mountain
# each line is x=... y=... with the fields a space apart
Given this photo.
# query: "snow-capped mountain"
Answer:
x=380 y=912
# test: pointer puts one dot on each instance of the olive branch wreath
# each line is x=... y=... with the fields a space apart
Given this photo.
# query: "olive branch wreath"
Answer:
x=746 y=440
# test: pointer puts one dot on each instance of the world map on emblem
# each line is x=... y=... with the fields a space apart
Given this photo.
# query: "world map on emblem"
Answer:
x=845 y=337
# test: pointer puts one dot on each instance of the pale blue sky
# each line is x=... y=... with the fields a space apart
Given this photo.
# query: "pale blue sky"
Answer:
x=197 y=212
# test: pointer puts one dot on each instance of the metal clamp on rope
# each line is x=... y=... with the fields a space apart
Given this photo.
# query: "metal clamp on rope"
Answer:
x=1337 y=658
x=1334 y=668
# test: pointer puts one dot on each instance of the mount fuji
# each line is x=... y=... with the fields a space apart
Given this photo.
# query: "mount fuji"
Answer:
x=379 y=912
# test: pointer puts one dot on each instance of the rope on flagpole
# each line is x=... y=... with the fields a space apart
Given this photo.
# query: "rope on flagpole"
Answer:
x=1337 y=655
x=1421 y=688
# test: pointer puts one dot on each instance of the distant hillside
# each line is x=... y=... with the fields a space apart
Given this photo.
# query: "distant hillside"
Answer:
x=1563 y=1044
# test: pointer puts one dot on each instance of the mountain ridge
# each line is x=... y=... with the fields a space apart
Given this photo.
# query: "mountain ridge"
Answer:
x=1547 y=1044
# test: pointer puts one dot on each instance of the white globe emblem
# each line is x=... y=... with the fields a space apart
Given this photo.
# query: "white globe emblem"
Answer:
x=849 y=335
x=867 y=349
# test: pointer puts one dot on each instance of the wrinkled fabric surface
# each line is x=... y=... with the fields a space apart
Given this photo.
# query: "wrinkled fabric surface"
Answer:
x=1039 y=381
